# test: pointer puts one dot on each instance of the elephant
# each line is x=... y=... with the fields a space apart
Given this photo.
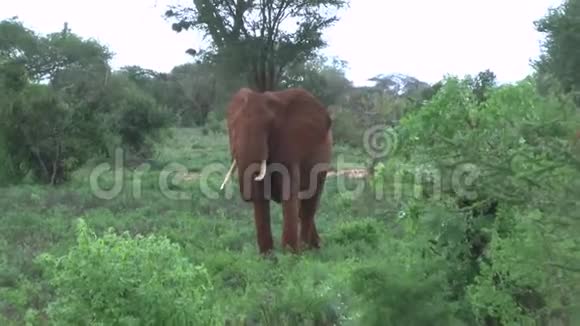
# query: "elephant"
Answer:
x=281 y=145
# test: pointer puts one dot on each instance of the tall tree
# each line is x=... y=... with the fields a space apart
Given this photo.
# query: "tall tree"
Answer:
x=46 y=57
x=398 y=84
x=323 y=77
x=43 y=129
x=561 y=49
x=61 y=105
x=482 y=83
x=253 y=38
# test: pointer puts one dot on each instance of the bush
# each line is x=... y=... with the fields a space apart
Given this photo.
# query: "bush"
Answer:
x=40 y=135
x=365 y=232
x=82 y=112
x=214 y=125
x=7 y=169
x=133 y=115
x=392 y=294
x=346 y=128
x=509 y=170
x=118 y=279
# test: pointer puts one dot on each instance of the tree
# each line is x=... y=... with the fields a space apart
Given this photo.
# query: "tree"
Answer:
x=322 y=77
x=482 y=83
x=561 y=48
x=398 y=84
x=46 y=56
x=61 y=105
x=43 y=125
x=197 y=87
x=250 y=37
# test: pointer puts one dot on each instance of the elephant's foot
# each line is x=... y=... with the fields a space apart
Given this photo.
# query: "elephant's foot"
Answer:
x=308 y=234
x=314 y=242
x=265 y=245
x=311 y=243
x=290 y=242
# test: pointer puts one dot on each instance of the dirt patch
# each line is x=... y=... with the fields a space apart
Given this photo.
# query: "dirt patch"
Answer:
x=189 y=176
x=350 y=173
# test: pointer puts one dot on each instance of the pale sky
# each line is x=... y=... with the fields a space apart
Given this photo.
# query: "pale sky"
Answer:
x=423 y=38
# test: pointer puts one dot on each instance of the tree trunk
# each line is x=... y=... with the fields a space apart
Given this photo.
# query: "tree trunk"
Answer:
x=265 y=75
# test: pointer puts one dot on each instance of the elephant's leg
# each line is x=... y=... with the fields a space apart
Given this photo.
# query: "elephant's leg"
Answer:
x=308 y=232
x=290 y=208
x=263 y=227
x=290 y=228
x=308 y=207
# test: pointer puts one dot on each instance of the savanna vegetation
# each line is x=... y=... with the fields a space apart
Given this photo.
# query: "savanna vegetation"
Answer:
x=469 y=217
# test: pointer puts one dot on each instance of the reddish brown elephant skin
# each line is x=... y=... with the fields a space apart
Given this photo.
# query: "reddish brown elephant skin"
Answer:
x=291 y=130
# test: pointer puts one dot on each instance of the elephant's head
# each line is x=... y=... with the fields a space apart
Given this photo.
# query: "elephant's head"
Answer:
x=250 y=123
x=277 y=127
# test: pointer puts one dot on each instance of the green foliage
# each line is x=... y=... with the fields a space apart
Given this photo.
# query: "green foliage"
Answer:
x=326 y=80
x=365 y=232
x=44 y=57
x=409 y=261
x=133 y=115
x=476 y=224
x=526 y=134
x=482 y=83
x=385 y=103
x=248 y=38
x=214 y=125
x=80 y=113
x=346 y=128
x=561 y=55
x=190 y=91
x=395 y=294
x=6 y=167
x=118 y=279
x=42 y=134
x=506 y=289
x=509 y=149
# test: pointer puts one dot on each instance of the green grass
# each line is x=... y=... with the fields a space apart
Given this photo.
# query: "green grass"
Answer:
x=69 y=256
x=215 y=232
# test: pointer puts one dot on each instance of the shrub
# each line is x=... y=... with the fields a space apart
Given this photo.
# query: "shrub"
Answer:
x=7 y=169
x=405 y=287
x=213 y=124
x=365 y=232
x=118 y=279
x=525 y=187
x=41 y=136
x=133 y=115
x=346 y=127
x=82 y=112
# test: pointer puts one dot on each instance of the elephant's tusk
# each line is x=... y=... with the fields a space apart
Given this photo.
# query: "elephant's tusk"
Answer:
x=262 y=171
x=228 y=174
